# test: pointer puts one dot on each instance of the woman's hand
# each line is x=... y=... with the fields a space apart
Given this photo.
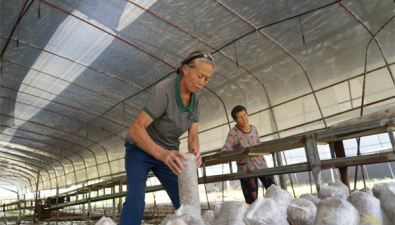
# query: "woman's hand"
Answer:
x=196 y=152
x=172 y=160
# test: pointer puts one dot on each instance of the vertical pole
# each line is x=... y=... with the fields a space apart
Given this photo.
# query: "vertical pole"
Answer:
x=24 y=204
x=363 y=177
x=88 y=219
x=5 y=221
x=337 y=175
x=57 y=199
x=339 y=150
x=275 y=165
x=311 y=186
x=274 y=159
x=296 y=179
x=332 y=176
x=120 y=198
x=332 y=149
x=83 y=211
x=283 y=183
x=314 y=160
x=289 y=176
x=392 y=138
x=20 y=209
x=367 y=175
x=35 y=219
x=208 y=201
x=114 y=214
x=389 y=165
x=356 y=167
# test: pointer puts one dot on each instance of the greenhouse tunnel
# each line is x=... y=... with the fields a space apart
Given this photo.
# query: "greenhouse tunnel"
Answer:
x=75 y=74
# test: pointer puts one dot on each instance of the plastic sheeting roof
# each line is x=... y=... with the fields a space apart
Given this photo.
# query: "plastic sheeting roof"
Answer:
x=76 y=73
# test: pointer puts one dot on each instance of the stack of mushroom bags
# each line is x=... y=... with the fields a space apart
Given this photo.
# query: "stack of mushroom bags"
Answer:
x=332 y=205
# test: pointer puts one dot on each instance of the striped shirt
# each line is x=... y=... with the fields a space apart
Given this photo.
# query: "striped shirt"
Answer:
x=171 y=118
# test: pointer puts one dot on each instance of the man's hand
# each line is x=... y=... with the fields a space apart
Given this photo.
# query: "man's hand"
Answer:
x=171 y=159
x=196 y=152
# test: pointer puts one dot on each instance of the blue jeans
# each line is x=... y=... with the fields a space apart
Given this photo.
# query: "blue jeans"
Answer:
x=138 y=164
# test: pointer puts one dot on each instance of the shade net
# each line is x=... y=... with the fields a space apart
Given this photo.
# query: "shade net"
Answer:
x=76 y=74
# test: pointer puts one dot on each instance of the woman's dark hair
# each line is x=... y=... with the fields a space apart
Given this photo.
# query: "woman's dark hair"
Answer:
x=190 y=61
x=237 y=109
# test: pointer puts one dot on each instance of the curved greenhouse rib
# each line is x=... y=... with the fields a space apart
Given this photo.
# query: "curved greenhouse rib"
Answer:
x=60 y=148
x=13 y=29
x=108 y=159
x=223 y=104
x=53 y=128
x=19 y=176
x=288 y=53
x=31 y=164
x=59 y=78
x=36 y=152
x=24 y=159
x=30 y=171
x=97 y=27
x=76 y=62
x=119 y=38
x=214 y=48
x=20 y=171
x=17 y=188
x=366 y=62
x=367 y=50
x=34 y=159
x=61 y=114
x=371 y=33
x=17 y=180
x=68 y=106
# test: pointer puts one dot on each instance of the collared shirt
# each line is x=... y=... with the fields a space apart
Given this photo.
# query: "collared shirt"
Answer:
x=171 y=118
x=239 y=139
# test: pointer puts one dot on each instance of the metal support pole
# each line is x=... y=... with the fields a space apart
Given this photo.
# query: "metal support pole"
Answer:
x=24 y=204
x=20 y=212
x=274 y=159
x=120 y=198
x=57 y=200
x=289 y=176
x=363 y=177
x=339 y=150
x=392 y=138
x=208 y=201
x=5 y=221
x=88 y=218
x=314 y=160
x=275 y=165
x=283 y=183
x=332 y=149
x=367 y=175
x=296 y=179
x=356 y=167
x=83 y=211
x=114 y=215
x=389 y=165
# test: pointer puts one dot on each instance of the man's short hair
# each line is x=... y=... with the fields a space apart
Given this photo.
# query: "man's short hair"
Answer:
x=237 y=109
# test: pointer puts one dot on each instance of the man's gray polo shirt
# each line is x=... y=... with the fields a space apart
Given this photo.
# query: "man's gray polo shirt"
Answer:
x=171 y=117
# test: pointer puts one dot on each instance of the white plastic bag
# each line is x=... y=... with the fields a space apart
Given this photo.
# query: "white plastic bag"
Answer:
x=105 y=221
